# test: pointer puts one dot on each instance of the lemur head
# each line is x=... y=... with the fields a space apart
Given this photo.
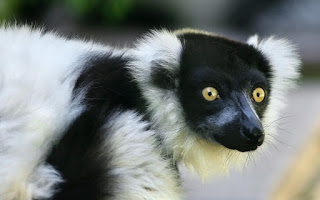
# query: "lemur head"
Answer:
x=209 y=95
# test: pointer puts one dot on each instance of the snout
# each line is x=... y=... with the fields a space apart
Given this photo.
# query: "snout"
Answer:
x=244 y=132
x=254 y=135
x=242 y=138
x=251 y=138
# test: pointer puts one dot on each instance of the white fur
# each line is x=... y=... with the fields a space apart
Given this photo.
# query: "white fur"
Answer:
x=253 y=40
x=136 y=163
x=285 y=65
x=37 y=77
x=43 y=181
x=158 y=47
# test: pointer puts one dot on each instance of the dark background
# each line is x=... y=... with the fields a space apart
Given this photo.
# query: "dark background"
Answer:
x=119 y=22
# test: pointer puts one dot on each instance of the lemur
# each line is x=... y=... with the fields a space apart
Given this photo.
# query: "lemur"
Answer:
x=85 y=121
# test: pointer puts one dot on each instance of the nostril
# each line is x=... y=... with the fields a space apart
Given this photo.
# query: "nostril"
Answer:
x=254 y=136
x=260 y=140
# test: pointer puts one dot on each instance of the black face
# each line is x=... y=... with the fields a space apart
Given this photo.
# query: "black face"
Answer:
x=235 y=71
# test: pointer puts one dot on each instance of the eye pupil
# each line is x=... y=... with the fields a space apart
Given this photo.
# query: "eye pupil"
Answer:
x=210 y=93
x=258 y=95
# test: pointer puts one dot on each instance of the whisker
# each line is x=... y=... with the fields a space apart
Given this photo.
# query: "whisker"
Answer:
x=279 y=119
x=251 y=158
x=280 y=141
x=245 y=166
x=286 y=131
x=271 y=144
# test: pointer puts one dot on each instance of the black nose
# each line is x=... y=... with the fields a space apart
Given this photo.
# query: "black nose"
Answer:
x=254 y=135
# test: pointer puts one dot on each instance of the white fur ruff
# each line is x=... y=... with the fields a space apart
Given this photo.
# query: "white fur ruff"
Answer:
x=140 y=170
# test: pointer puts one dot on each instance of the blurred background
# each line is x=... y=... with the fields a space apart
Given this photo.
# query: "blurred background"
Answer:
x=291 y=168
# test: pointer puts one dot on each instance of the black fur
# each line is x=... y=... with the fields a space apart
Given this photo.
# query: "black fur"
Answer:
x=107 y=80
x=163 y=78
x=108 y=87
x=77 y=159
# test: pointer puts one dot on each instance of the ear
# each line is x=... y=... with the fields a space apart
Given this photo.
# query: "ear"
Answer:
x=163 y=78
x=283 y=59
x=157 y=59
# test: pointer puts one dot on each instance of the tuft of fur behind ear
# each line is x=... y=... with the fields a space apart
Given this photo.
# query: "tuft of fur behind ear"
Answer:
x=284 y=60
x=285 y=71
x=253 y=40
x=158 y=49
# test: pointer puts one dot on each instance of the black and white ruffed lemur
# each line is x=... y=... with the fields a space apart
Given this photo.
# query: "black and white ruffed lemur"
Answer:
x=84 y=121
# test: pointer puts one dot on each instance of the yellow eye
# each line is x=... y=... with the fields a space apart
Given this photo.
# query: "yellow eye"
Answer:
x=258 y=95
x=210 y=93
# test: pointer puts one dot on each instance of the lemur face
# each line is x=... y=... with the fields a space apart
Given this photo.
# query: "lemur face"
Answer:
x=224 y=90
x=208 y=96
x=203 y=87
